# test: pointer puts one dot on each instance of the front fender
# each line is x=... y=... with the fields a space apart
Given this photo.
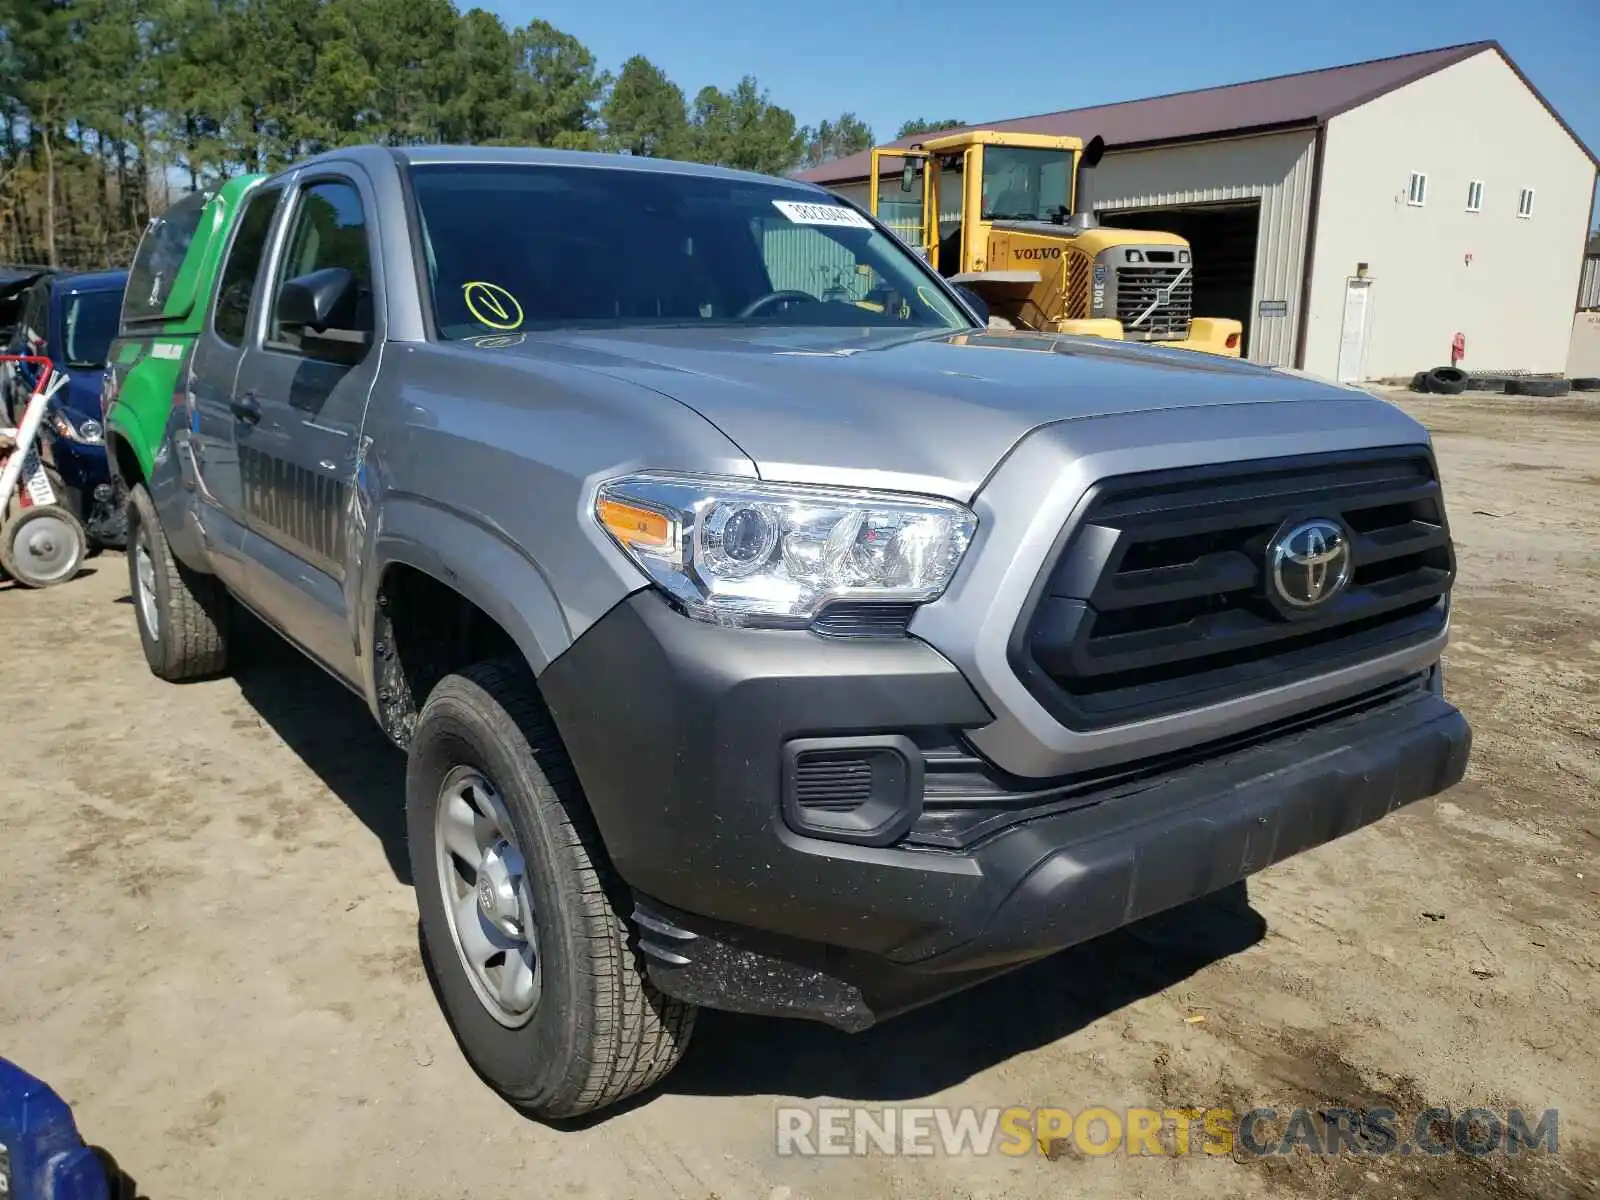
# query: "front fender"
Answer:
x=476 y=561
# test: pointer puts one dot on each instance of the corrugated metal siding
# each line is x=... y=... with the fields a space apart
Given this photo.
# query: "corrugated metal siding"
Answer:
x=808 y=261
x=896 y=212
x=1589 y=287
x=1276 y=169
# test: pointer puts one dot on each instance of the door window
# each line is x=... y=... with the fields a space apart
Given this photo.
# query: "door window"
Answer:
x=160 y=257
x=243 y=266
x=330 y=230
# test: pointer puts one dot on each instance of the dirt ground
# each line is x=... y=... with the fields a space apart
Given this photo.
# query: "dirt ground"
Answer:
x=208 y=944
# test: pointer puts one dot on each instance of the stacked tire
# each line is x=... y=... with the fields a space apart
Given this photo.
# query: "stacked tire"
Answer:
x=1542 y=386
x=1441 y=381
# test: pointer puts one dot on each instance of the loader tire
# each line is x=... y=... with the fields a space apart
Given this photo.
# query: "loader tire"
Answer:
x=182 y=615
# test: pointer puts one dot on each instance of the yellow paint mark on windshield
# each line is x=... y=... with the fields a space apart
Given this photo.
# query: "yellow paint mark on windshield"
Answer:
x=497 y=341
x=491 y=305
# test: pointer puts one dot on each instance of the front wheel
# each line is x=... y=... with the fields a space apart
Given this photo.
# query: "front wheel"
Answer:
x=523 y=921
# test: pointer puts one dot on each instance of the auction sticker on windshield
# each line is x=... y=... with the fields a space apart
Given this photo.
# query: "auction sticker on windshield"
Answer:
x=821 y=214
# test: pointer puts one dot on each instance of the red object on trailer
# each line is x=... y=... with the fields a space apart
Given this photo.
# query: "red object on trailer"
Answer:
x=41 y=542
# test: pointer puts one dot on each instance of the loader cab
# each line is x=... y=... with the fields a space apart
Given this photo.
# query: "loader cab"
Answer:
x=964 y=182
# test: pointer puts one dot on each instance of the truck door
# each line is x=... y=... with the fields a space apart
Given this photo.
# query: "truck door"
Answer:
x=305 y=397
x=216 y=431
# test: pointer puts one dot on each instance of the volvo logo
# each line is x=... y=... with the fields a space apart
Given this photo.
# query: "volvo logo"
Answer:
x=1308 y=564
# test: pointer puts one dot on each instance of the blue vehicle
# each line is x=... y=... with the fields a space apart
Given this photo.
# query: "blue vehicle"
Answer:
x=71 y=319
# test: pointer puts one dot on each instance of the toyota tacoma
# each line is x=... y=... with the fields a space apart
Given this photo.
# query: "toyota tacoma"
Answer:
x=763 y=631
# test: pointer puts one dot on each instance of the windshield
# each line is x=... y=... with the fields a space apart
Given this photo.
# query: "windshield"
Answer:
x=514 y=247
x=1026 y=185
x=91 y=324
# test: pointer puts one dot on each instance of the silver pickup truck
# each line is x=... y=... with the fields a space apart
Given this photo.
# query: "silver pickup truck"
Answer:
x=763 y=631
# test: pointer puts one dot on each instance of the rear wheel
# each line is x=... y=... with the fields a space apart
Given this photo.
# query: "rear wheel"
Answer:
x=524 y=922
x=182 y=615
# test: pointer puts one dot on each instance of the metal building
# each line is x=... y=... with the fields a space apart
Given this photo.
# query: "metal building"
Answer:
x=1355 y=219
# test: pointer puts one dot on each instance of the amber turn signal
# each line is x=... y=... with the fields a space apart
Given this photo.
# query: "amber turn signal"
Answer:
x=634 y=526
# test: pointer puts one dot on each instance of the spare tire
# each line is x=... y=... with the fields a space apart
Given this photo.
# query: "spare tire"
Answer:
x=1586 y=384
x=1446 y=381
x=1537 y=387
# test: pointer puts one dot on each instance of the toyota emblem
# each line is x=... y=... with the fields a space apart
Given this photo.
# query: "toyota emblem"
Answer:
x=1308 y=564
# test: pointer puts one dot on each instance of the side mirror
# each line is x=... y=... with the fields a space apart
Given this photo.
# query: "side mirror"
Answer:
x=974 y=301
x=908 y=175
x=324 y=299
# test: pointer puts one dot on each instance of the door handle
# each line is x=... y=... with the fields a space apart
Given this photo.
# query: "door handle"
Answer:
x=246 y=408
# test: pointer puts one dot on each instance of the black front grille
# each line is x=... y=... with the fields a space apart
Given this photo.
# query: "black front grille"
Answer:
x=863 y=618
x=1138 y=288
x=1158 y=600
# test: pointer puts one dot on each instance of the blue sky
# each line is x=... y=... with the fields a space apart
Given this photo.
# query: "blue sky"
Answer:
x=892 y=59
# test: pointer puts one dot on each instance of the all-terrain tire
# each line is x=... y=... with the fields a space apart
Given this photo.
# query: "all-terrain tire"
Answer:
x=1446 y=381
x=1537 y=387
x=600 y=1030
x=190 y=640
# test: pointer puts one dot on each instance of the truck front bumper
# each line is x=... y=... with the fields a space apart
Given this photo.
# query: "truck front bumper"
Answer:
x=679 y=731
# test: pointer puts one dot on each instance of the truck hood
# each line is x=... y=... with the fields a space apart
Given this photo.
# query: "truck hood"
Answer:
x=930 y=413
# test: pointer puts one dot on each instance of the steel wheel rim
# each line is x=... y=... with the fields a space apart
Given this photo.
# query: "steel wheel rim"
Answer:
x=144 y=574
x=484 y=886
x=45 y=548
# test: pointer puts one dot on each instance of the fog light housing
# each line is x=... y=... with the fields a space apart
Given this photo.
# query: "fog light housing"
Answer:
x=866 y=790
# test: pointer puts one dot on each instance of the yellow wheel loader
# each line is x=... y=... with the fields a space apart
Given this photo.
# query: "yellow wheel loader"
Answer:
x=1017 y=232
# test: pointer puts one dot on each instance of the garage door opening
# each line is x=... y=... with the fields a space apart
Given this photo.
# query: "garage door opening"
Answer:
x=1223 y=240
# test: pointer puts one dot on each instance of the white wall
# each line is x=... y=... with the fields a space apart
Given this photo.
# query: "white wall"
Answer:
x=1583 y=355
x=1513 y=301
x=1276 y=168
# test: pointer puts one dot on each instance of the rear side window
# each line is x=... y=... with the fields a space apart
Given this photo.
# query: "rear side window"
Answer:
x=160 y=258
x=239 y=273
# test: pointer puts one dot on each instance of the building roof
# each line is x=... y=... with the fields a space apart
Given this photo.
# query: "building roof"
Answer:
x=1306 y=99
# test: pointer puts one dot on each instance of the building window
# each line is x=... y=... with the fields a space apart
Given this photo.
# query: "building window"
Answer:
x=1475 y=196
x=1418 y=195
x=1525 y=203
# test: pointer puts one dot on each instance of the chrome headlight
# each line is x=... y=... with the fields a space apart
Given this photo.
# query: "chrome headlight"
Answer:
x=744 y=553
x=87 y=431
